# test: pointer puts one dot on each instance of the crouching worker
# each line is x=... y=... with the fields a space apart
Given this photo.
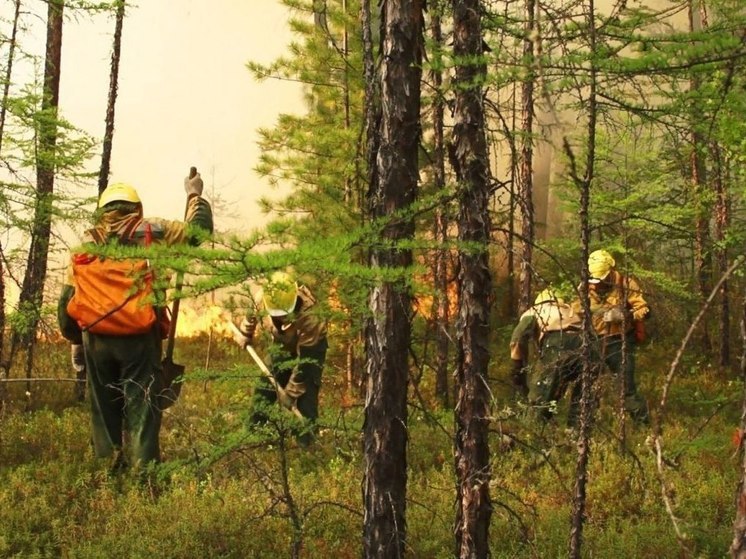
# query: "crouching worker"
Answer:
x=556 y=329
x=289 y=313
x=107 y=304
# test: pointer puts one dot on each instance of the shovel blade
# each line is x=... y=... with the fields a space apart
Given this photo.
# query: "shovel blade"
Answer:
x=172 y=382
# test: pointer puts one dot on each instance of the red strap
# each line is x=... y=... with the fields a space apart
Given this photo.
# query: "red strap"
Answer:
x=148 y=234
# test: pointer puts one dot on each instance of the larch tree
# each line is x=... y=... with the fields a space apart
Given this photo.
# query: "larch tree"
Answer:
x=738 y=544
x=320 y=154
x=584 y=181
x=3 y=113
x=441 y=256
x=32 y=289
x=387 y=334
x=525 y=172
x=699 y=181
x=469 y=159
x=103 y=176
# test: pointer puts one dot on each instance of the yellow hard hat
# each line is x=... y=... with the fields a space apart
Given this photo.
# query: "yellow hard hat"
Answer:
x=546 y=296
x=280 y=294
x=600 y=264
x=118 y=192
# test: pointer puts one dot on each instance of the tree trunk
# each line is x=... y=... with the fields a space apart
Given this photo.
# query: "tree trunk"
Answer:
x=440 y=266
x=698 y=178
x=32 y=289
x=738 y=545
x=722 y=223
x=3 y=365
x=525 y=168
x=103 y=177
x=9 y=73
x=3 y=113
x=388 y=332
x=372 y=117
x=587 y=375
x=468 y=154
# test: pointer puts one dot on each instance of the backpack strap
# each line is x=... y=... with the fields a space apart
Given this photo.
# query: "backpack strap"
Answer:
x=97 y=236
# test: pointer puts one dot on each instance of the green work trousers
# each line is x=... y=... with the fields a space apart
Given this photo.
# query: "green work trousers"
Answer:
x=309 y=362
x=622 y=365
x=124 y=379
x=559 y=364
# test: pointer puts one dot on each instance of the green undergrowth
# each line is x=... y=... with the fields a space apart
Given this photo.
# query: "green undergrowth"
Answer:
x=227 y=492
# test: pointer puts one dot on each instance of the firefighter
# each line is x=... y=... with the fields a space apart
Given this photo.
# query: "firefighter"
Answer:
x=124 y=371
x=618 y=311
x=556 y=328
x=289 y=313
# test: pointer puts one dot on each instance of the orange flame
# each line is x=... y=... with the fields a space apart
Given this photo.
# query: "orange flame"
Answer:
x=193 y=321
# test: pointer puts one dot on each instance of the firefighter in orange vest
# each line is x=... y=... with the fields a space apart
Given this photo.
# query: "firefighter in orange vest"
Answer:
x=124 y=371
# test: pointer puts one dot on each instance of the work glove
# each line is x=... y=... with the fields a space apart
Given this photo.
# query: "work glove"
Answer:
x=285 y=399
x=77 y=357
x=518 y=377
x=193 y=185
x=246 y=330
x=295 y=389
x=614 y=316
x=640 y=334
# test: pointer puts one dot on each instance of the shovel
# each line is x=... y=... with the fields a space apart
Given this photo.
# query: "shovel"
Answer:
x=264 y=369
x=172 y=372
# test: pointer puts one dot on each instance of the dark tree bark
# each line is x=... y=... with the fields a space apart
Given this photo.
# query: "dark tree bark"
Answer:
x=440 y=265
x=32 y=288
x=525 y=167
x=468 y=154
x=391 y=192
x=103 y=176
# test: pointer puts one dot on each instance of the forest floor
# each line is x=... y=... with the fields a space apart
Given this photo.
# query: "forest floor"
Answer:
x=226 y=492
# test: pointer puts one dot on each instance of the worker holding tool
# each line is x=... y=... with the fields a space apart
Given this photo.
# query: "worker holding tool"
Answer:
x=618 y=312
x=113 y=316
x=289 y=313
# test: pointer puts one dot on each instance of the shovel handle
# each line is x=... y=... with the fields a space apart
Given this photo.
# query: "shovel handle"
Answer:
x=264 y=369
x=177 y=288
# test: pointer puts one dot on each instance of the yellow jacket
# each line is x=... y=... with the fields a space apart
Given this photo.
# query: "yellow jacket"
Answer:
x=617 y=291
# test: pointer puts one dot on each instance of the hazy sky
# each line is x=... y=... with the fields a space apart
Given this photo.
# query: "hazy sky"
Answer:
x=185 y=96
